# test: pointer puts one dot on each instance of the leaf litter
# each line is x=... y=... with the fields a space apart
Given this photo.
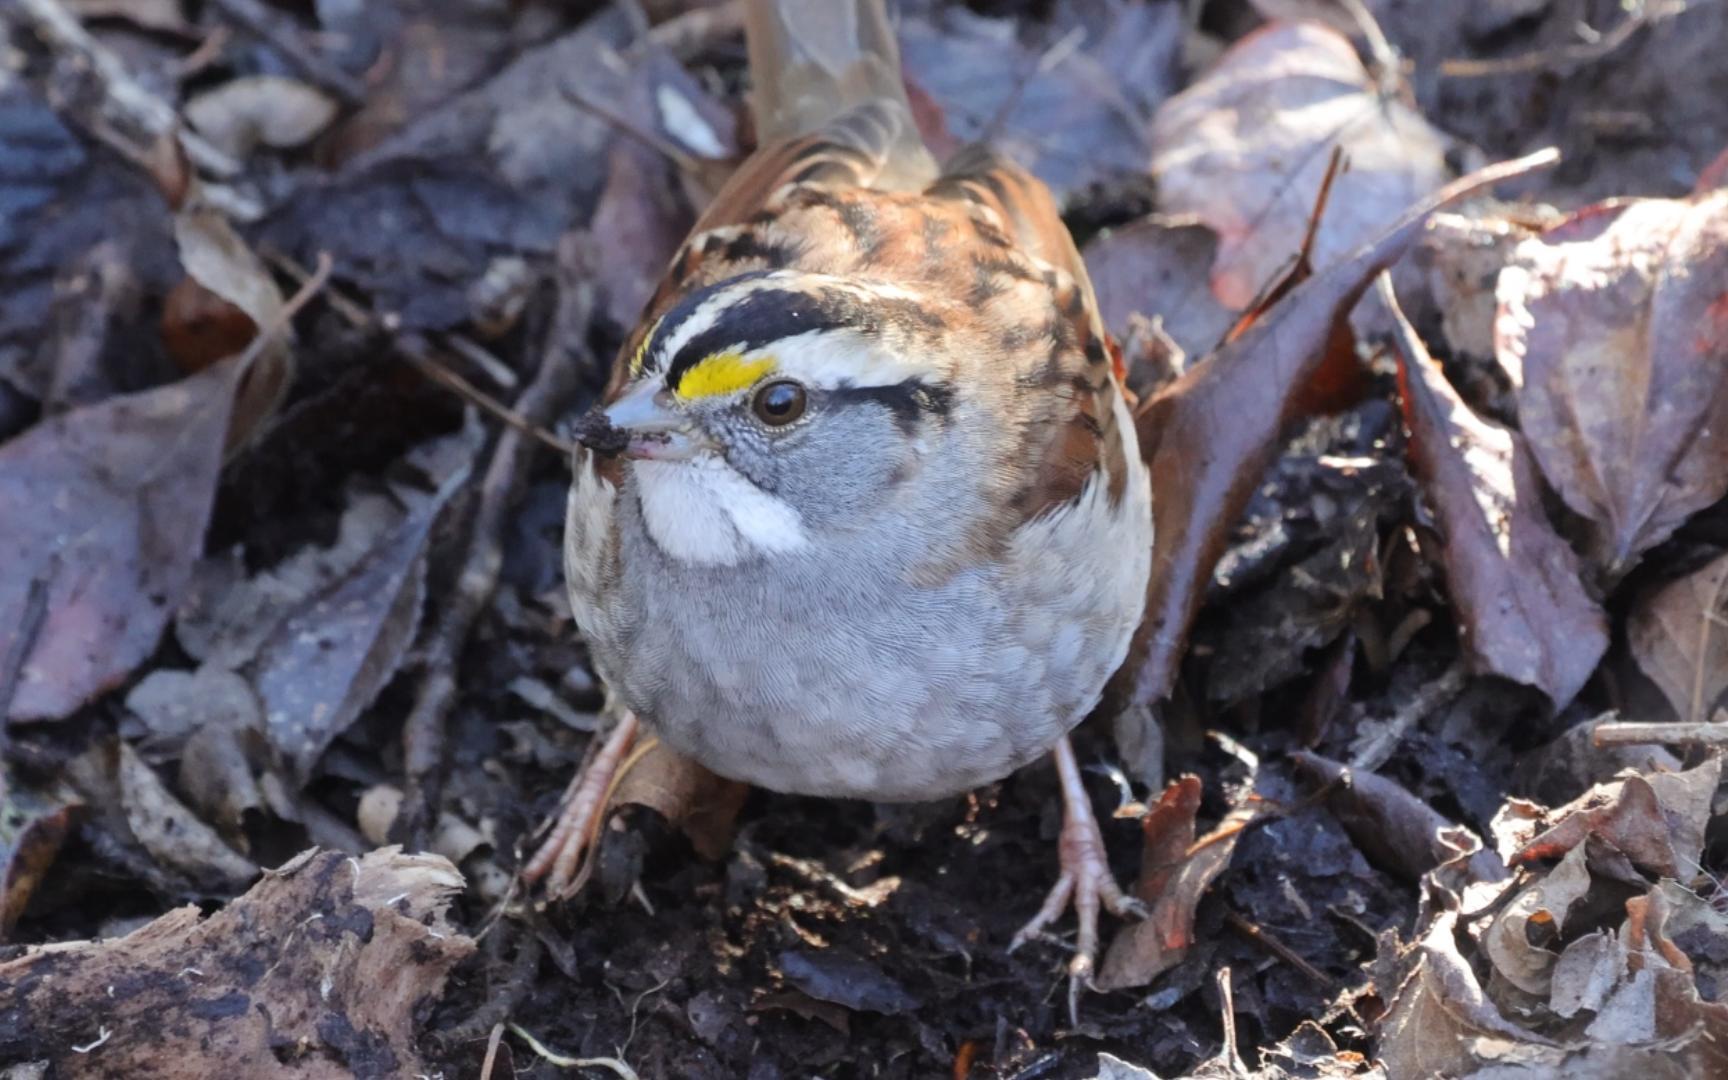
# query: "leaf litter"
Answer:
x=1398 y=610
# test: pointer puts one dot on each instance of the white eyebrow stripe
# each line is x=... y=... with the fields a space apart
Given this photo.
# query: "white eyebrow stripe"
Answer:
x=834 y=360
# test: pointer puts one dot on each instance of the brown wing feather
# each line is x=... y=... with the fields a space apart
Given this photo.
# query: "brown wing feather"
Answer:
x=1077 y=433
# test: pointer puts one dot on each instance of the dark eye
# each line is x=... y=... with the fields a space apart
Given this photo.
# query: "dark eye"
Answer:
x=779 y=403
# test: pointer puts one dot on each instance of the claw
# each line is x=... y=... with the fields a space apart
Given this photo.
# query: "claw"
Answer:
x=1086 y=881
x=559 y=859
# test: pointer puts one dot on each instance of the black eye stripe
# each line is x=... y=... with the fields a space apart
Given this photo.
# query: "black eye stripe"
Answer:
x=910 y=400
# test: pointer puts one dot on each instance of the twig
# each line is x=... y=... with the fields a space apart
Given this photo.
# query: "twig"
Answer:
x=1047 y=62
x=502 y=997
x=686 y=162
x=1385 y=56
x=423 y=732
x=416 y=351
x=1698 y=733
x=1231 y=1052
x=1644 y=14
x=1260 y=935
x=23 y=644
x=493 y=1042
x=1377 y=749
x=481 y=357
x=618 y=1067
x=256 y=18
x=137 y=116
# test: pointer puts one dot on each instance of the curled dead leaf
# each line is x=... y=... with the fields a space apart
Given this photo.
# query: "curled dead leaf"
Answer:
x=1520 y=603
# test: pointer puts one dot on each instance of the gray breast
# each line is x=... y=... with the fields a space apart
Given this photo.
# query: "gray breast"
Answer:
x=826 y=671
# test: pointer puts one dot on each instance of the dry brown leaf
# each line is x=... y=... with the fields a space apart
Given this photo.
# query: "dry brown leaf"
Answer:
x=106 y=504
x=135 y=802
x=1175 y=872
x=703 y=806
x=1586 y=972
x=318 y=972
x=1679 y=636
x=1245 y=148
x=1392 y=826
x=1614 y=325
x=1531 y=968
x=321 y=633
x=1515 y=587
x=1463 y=254
x=1440 y=1011
x=220 y=263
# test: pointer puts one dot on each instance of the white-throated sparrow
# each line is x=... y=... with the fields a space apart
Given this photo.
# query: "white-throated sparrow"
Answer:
x=862 y=513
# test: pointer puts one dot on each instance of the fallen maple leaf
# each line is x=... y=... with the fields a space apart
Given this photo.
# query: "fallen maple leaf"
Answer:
x=1614 y=325
x=1245 y=150
x=1521 y=607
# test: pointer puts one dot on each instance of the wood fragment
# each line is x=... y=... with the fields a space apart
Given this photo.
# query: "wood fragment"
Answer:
x=1683 y=733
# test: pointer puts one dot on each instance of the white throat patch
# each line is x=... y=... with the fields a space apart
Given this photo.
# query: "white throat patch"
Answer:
x=702 y=511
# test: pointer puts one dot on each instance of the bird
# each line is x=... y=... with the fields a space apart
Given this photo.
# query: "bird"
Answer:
x=861 y=511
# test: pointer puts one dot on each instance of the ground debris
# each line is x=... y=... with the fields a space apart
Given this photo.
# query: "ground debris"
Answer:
x=315 y=972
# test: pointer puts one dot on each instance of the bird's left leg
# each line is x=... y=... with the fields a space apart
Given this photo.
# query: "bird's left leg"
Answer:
x=1086 y=881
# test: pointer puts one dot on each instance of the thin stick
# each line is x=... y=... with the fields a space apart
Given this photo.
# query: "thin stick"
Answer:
x=1700 y=733
x=1645 y=14
x=1377 y=750
x=686 y=162
x=423 y=733
x=415 y=350
x=1260 y=935
x=412 y=349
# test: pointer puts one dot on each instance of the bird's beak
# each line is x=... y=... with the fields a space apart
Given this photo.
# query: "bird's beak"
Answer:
x=642 y=424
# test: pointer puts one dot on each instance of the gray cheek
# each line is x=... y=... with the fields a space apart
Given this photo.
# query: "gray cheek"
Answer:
x=833 y=470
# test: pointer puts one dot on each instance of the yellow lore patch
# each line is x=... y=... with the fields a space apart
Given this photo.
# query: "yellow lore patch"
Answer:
x=723 y=373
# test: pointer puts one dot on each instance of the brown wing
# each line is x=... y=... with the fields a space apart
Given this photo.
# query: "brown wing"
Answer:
x=1076 y=432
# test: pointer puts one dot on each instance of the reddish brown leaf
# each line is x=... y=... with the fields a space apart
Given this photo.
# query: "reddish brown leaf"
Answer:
x=1679 y=636
x=1176 y=870
x=1615 y=326
x=1246 y=147
x=1521 y=607
x=1657 y=822
x=107 y=504
x=1211 y=433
